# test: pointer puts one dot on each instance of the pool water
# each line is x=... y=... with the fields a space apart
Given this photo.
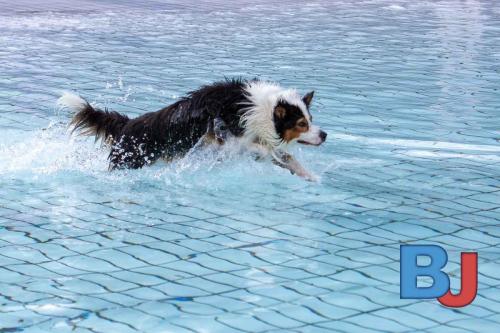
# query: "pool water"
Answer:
x=408 y=91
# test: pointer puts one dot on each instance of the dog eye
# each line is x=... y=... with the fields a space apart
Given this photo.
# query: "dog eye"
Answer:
x=302 y=124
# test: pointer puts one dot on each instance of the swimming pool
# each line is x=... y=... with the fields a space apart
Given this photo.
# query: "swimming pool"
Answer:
x=407 y=91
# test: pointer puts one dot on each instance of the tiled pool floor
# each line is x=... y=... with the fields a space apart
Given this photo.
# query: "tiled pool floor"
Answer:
x=408 y=92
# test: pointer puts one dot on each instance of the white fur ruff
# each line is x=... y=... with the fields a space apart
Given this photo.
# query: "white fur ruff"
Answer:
x=258 y=119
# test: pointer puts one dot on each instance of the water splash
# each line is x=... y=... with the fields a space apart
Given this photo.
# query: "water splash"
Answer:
x=54 y=151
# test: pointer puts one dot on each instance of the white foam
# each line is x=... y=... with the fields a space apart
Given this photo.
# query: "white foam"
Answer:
x=440 y=155
x=50 y=150
x=396 y=7
x=419 y=143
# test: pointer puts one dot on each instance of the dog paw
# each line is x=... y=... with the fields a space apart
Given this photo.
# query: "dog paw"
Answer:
x=312 y=178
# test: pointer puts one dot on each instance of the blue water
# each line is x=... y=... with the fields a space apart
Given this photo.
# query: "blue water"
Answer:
x=408 y=92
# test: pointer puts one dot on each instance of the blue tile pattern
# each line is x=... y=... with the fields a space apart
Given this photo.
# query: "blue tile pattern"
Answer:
x=407 y=90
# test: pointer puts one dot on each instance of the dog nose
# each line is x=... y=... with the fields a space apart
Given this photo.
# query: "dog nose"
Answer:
x=322 y=135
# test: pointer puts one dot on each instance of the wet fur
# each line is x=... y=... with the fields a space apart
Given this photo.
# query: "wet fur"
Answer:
x=169 y=132
x=264 y=115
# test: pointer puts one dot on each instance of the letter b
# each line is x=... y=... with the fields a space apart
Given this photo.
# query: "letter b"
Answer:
x=410 y=270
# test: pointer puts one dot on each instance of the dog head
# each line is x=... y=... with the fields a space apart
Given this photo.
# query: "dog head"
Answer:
x=293 y=122
x=275 y=116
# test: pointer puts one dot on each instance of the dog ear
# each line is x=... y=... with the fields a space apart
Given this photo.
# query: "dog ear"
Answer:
x=308 y=98
x=279 y=111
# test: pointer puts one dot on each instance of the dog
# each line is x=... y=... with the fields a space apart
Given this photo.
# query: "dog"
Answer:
x=262 y=116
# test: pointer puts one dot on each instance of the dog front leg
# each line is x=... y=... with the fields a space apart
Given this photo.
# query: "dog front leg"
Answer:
x=220 y=130
x=289 y=162
x=217 y=133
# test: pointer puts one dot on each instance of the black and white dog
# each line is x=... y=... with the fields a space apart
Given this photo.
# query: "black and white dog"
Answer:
x=262 y=116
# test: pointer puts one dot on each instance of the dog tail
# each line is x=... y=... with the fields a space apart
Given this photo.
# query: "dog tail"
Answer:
x=88 y=120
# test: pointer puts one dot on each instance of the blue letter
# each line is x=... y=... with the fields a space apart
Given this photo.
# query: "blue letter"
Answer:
x=410 y=271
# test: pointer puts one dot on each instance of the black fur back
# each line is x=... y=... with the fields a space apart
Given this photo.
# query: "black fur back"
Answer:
x=169 y=132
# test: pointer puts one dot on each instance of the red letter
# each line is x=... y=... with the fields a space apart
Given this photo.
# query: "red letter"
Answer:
x=468 y=282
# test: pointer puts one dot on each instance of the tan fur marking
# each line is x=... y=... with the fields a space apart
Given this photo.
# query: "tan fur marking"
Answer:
x=293 y=133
